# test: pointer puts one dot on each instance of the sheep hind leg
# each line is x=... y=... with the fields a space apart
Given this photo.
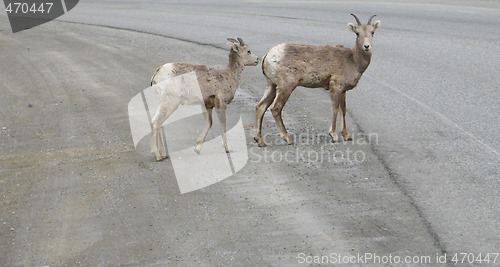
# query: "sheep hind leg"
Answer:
x=260 y=110
x=165 y=109
x=277 y=108
x=345 y=134
x=207 y=113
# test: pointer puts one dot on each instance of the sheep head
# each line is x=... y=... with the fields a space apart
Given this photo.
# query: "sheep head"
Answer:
x=243 y=51
x=364 y=33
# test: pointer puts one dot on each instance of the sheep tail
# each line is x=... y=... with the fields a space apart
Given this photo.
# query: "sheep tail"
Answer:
x=263 y=61
x=154 y=75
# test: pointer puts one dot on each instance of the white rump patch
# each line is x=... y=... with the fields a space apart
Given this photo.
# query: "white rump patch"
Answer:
x=274 y=56
x=164 y=73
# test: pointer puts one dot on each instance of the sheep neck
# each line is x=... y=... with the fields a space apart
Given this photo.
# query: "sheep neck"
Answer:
x=361 y=59
x=235 y=66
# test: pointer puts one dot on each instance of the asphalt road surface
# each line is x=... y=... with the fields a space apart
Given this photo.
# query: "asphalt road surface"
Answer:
x=419 y=183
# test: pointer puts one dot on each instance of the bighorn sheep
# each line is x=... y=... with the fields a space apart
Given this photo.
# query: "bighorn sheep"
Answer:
x=217 y=85
x=337 y=69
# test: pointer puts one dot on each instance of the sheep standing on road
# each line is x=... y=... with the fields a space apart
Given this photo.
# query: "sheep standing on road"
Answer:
x=337 y=69
x=217 y=85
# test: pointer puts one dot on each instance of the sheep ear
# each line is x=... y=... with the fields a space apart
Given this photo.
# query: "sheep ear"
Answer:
x=376 y=25
x=233 y=47
x=351 y=27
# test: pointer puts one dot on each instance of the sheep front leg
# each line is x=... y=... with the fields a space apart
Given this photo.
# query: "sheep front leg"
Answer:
x=221 y=114
x=261 y=108
x=335 y=95
x=207 y=113
x=345 y=134
x=278 y=104
x=165 y=109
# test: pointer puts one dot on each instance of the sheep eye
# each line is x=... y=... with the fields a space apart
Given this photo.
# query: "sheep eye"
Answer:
x=249 y=52
x=373 y=33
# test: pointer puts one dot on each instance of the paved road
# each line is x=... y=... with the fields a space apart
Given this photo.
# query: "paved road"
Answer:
x=75 y=191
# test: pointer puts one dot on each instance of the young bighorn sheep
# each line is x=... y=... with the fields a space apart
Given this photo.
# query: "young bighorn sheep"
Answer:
x=337 y=69
x=217 y=85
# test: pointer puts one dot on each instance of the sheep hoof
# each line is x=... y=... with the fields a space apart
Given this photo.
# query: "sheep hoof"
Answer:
x=289 y=140
x=346 y=136
x=335 y=137
x=197 y=151
x=161 y=158
x=259 y=141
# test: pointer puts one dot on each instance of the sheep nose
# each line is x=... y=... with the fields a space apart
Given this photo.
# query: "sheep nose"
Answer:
x=367 y=46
